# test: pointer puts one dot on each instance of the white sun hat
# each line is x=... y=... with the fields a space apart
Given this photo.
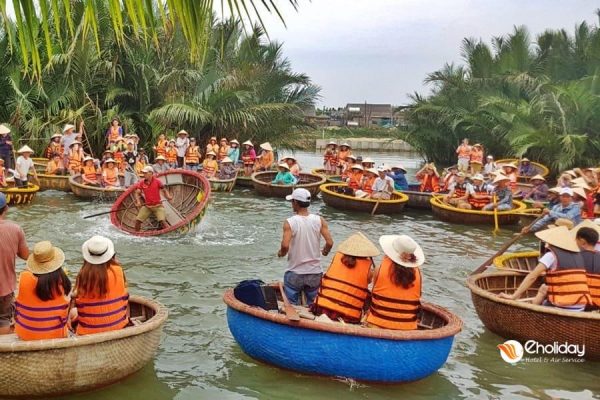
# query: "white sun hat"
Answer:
x=402 y=250
x=98 y=250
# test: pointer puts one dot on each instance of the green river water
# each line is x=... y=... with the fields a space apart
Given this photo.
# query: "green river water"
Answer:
x=238 y=239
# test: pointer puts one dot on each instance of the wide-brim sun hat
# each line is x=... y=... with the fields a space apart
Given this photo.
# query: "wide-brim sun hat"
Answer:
x=248 y=143
x=398 y=247
x=332 y=143
x=109 y=160
x=75 y=142
x=555 y=189
x=211 y=153
x=345 y=145
x=372 y=171
x=4 y=130
x=56 y=135
x=525 y=159
x=537 y=177
x=212 y=138
x=477 y=177
x=226 y=160
x=182 y=132
x=68 y=127
x=510 y=165
x=500 y=178
x=284 y=165
x=147 y=168
x=88 y=158
x=98 y=250
x=358 y=245
x=266 y=146
x=351 y=156
x=160 y=158
x=579 y=192
x=400 y=167
x=558 y=237
x=224 y=140
x=368 y=160
x=25 y=149
x=357 y=166
x=571 y=173
x=45 y=258
x=234 y=141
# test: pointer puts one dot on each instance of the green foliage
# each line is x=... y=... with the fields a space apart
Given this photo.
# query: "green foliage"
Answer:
x=539 y=100
x=245 y=88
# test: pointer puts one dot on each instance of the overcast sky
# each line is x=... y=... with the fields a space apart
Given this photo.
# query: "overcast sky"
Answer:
x=381 y=50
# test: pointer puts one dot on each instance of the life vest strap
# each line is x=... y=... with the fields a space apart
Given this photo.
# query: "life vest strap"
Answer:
x=40 y=309
x=60 y=325
x=98 y=315
x=37 y=319
x=394 y=319
x=395 y=301
x=346 y=283
x=101 y=303
x=413 y=309
x=551 y=281
x=107 y=325
x=340 y=302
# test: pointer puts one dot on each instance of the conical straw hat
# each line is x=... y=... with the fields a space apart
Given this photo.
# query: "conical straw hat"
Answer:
x=358 y=245
x=579 y=192
x=4 y=130
x=580 y=182
x=538 y=177
x=25 y=149
x=586 y=223
x=266 y=146
x=558 y=237
x=500 y=178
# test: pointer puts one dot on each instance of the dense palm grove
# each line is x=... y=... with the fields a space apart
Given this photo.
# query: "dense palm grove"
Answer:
x=517 y=98
x=243 y=87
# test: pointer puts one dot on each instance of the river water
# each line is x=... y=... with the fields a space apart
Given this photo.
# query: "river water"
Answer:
x=238 y=239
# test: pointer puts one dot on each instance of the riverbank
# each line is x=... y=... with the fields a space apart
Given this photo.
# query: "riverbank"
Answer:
x=375 y=139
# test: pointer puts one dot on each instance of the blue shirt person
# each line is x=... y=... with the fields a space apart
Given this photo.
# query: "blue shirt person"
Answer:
x=284 y=176
x=398 y=175
x=565 y=210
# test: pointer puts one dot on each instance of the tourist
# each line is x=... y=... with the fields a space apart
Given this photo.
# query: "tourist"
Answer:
x=348 y=165
x=265 y=159
x=383 y=187
x=398 y=174
x=355 y=178
x=55 y=166
x=24 y=166
x=210 y=167
x=458 y=196
x=345 y=285
x=476 y=161
x=365 y=188
x=588 y=175
x=396 y=294
x=181 y=144
x=106 y=155
x=192 y=156
x=42 y=304
x=143 y=157
x=151 y=189
x=479 y=195
x=115 y=131
x=368 y=163
x=68 y=137
x=294 y=166
x=464 y=156
x=227 y=170
x=284 y=176
x=160 y=165
x=449 y=177
x=539 y=191
x=171 y=154
x=587 y=196
x=526 y=168
x=565 y=280
x=564 y=181
x=579 y=198
x=76 y=156
x=234 y=151
x=2 y=174
x=110 y=174
x=429 y=178
x=212 y=145
x=54 y=147
x=6 y=146
x=100 y=294
x=223 y=150
x=12 y=245
x=119 y=154
x=344 y=151
x=330 y=158
x=248 y=157
x=130 y=158
x=503 y=194
x=510 y=170
x=552 y=200
x=161 y=146
x=566 y=213
x=489 y=167
x=586 y=237
x=301 y=243
x=89 y=173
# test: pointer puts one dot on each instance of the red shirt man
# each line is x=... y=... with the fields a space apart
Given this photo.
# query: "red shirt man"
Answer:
x=151 y=188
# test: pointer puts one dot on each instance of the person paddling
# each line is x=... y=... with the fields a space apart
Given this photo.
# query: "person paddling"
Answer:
x=151 y=188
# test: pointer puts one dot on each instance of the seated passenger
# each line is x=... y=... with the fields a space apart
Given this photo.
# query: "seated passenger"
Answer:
x=429 y=178
x=227 y=170
x=398 y=174
x=89 y=174
x=510 y=170
x=566 y=284
x=526 y=168
x=355 y=177
x=284 y=176
x=344 y=287
x=56 y=166
x=586 y=236
x=160 y=165
x=504 y=199
x=366 y=185
x=2 y=174
x=566 y=211
x=459 y=193
x=539 y=191
x=42 y=305
x=396 y=294
x=210 y=167
x=479 y=195
x=383 y=187
x=100 y=293
x=266 y=158
x=110 y=174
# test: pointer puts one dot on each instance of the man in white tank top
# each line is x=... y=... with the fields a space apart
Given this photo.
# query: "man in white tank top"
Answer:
x=301 y=243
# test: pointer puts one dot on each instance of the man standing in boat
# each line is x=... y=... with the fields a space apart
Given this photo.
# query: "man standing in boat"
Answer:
x=151 y=188
x=12 y=244
x=301 y=243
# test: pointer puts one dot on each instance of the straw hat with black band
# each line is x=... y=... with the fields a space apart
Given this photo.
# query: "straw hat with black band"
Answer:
x=358 y=245
x=402 y=250
x=98 y=250
x=45 y=258
x=558 y=237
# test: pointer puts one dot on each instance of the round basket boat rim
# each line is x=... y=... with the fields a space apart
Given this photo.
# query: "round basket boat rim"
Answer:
x=321 y=180
x=30 y=189
x=475 y=289
x=325 y=188
x=436 y=201
x=453 y=323
x=545 y=170
x=500 y=260
x=155 y=322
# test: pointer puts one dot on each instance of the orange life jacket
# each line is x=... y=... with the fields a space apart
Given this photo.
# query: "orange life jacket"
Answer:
x=464 y=151
x=111 y=176
x=114 y=134
x=75 y=159
x=161 y=148
x=119 y=158
x=171 y=155
x=90 y=173
x=367 y=185
x=342 y=154
x=36 y=319
x=344 y=289
x=477 y=156
x=430 y=183
x=209 y=167
x=2 y=169
x=53 y=166
x=266 y=160
x=567 y=283
x=213 y=147
x=222 y=153
x=330 y=157
x=192 y=155
x=394 y=307
x=591 y=261
x=479 y=203
x=460 y=189
x=593 y=282
x=355 y=179
x=247 y=158
x=105 y=314
x=54 y=148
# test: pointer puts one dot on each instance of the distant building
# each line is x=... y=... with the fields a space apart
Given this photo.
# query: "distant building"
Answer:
x=365 y=115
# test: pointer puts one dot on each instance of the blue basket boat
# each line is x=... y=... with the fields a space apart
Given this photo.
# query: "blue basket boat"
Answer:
x=348 y=351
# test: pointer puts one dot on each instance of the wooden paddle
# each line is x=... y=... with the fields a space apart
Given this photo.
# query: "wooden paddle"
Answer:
x=290 y=311
x=506 y=245
x=375 y=207
x=112 y=211
x=496 y=227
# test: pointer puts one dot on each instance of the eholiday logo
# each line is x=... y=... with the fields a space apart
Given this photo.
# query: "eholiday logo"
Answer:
x=511 y=351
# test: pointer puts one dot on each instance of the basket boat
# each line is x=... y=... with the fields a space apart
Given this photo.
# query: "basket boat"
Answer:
x=420 y=200
x=19 y=196
x=330 y=178
x=522 y=321
x=190 y=192
x=452 y=214
x=95 y=192
x=529 y=215
x=262 y=184
x=524 y=261
x=43 y=368
x=244 y=181
x=222 y=185
x=348 y=351
x=49 y=182
x=350 y=203
x=540 y=169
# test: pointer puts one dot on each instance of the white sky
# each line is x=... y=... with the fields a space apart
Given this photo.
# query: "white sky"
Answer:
x=381 y=50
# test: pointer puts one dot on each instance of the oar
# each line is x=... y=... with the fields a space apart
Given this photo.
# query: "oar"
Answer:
x=290 y=311
x=496 y=228
x=112 y=211
x=375 y=207
x=506 y=245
